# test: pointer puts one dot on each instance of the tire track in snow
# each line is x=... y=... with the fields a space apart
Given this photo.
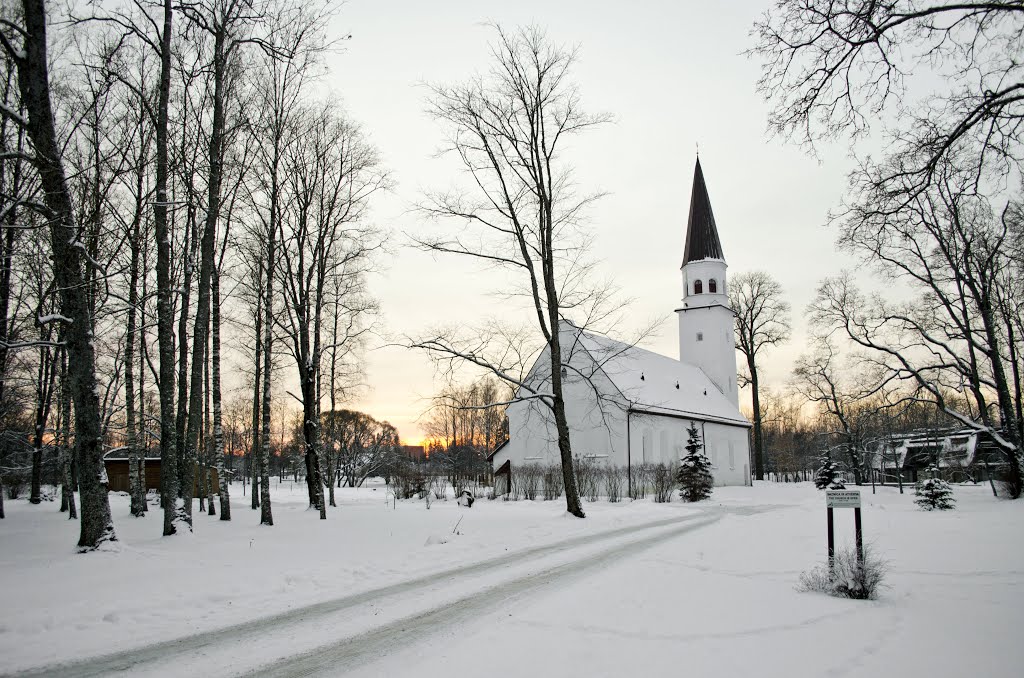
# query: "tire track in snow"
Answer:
x=164 y=652
x=355 y=651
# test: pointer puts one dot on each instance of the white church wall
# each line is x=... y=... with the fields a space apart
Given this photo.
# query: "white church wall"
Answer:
x=659 y=439
x=596 y=426
x=598 y=429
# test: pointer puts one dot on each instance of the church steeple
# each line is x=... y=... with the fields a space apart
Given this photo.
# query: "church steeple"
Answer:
x=705 y=319
x=701 y=233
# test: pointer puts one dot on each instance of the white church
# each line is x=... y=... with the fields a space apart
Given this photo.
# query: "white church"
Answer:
x=627 y=406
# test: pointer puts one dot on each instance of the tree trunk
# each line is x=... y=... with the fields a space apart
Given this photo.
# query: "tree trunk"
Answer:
x=218 y=428
x=206 y=491
x=572 y=496
x=96 y=524
x=257 y=384
x=67 y=450
x=266 y=515
x=46 y=376
x=758 y=430
x=137 y=492
x=206 y=256
x=173 y=512
x=311 y=434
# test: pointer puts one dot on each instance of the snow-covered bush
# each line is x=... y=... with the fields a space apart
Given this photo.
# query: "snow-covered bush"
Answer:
x=934 y=494
x=694 y=474
x=848 y=578
x=439 y=486
x=827 y=475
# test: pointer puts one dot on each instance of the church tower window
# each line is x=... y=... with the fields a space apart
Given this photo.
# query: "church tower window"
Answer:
x=698 y=287
x=712 y=286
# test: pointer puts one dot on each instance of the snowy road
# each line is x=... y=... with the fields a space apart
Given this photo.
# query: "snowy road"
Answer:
x=351 y=653
x=348 y=631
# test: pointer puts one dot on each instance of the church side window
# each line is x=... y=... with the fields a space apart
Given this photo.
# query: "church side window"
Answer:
x=648 y=444
x=732 y=456
x=712 y=286
x=663 y=443
x=698 y=287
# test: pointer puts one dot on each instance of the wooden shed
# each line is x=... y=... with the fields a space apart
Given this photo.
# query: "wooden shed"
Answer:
x=116 y=462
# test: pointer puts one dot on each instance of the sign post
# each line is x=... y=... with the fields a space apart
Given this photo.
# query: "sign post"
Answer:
x=844 y=499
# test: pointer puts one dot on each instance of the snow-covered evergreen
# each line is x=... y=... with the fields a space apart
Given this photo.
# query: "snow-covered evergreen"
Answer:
x=827 y=477
x=934 y=493
x=694 y=475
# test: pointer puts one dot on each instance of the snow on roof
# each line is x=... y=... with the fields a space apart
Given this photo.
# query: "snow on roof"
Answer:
x=121 y=454
x=649 y=381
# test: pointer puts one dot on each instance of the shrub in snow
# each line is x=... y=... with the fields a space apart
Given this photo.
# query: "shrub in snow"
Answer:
x=934 y=494
x=663 y=481
x=826 y=475
x=587 y=477
x=526 y=481
x=613 y=481
x=553 y=482
x=641 y=480
x=694 y=474
x=848 y=578
x=439 y=486
x=466 y=499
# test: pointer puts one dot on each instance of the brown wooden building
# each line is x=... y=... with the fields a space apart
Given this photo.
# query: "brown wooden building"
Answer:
x=116 y=462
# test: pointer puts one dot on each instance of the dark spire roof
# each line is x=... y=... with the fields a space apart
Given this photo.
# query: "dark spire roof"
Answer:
x=701 y=233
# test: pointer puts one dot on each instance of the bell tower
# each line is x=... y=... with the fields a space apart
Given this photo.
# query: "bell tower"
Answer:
x=706 y=322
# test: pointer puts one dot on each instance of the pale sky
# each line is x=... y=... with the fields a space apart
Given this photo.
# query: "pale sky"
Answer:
x=672 y=74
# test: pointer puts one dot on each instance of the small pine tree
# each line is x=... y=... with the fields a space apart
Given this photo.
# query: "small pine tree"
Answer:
x=934 y=493
x=826 y=475
x=694 y=474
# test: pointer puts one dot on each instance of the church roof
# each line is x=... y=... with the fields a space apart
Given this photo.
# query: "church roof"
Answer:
x=701 y=233
x=658 y=384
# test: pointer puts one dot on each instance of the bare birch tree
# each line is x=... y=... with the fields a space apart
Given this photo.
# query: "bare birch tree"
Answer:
x=521 y=212
x=326 y=249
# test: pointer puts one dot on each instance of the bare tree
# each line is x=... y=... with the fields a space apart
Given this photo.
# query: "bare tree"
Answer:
x=846 y=391
x=292 y=49
x=26 y=45
x=325 y=240
x=834 y=68
x=521 y=212
x=762 y=320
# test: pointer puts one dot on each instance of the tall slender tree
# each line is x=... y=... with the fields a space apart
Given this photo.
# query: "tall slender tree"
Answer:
x=509 y=129
x=762 y=320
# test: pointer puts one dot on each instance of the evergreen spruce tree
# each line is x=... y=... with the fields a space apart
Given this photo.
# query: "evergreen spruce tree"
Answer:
x=934 y=493
x=826 y=475
x=694 y=475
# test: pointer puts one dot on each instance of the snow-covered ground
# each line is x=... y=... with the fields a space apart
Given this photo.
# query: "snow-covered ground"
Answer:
x=520 y=587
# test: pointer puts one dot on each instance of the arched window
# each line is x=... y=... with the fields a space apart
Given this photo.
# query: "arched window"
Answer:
x=712 y=286
x=698 y=287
